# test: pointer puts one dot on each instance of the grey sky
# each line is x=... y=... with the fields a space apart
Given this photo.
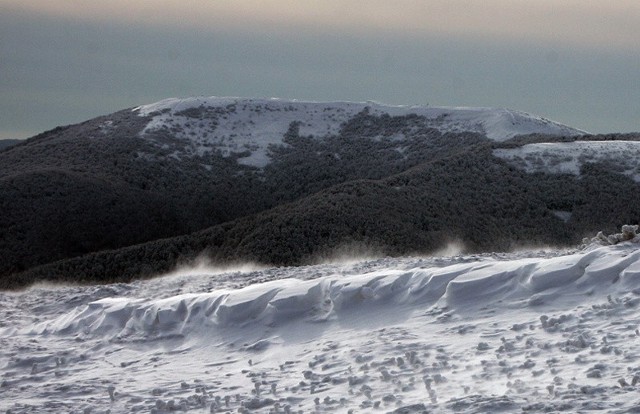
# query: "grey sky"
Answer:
x=65 y=61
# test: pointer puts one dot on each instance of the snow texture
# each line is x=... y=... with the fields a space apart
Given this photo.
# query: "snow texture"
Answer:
x=545 y=331
x=235 y=125
x=628 y=233
x=569 y=157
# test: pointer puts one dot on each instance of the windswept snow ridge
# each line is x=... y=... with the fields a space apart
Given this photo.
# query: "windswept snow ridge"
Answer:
x=535 y=333
x=236 y=125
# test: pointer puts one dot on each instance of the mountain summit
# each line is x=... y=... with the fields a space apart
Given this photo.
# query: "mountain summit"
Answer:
x=249 y=126
x=139 y=191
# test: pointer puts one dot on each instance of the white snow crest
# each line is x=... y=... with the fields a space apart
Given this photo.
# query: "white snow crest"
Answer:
x=456 y=287
x=234 y=125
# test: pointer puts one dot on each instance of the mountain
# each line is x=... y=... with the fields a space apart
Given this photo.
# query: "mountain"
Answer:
x=249 y=126
x=5 y=143
x=282 y=182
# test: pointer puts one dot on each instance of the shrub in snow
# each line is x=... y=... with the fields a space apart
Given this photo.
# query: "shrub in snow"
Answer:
x=111 y=390
x=629 y=232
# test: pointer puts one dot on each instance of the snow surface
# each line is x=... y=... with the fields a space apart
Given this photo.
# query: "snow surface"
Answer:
x=569 y=157
x=543 y=331
x=234 y=125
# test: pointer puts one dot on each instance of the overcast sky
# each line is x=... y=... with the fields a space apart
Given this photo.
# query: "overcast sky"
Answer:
x=573 y=61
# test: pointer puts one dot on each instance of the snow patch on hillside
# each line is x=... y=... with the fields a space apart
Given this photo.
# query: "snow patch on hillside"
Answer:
x=569 y=157
x=237 y=125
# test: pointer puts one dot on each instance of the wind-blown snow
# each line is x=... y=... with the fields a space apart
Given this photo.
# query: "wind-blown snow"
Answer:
x=488 y=333
x=233 y=125
x=569 y=157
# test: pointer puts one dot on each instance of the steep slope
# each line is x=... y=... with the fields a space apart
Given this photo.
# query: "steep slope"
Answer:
x=468 y=197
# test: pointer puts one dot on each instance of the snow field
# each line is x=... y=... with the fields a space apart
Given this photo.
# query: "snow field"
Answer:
x=466 y=334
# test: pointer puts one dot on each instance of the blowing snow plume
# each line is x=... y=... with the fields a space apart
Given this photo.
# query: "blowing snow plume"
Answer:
x=203 y=264
x=348 y=253
x=452 y=248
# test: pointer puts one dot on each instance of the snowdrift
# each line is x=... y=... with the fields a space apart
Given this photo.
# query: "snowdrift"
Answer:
x=461 y=287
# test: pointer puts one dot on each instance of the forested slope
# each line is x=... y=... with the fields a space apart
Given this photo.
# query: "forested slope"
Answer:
x=469 y=197
x=114 y=199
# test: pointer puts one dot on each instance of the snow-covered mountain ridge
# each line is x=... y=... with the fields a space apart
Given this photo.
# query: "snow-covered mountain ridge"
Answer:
x=234 y=125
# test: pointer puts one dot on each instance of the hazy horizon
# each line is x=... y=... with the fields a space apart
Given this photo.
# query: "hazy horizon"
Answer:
x=65 y=61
